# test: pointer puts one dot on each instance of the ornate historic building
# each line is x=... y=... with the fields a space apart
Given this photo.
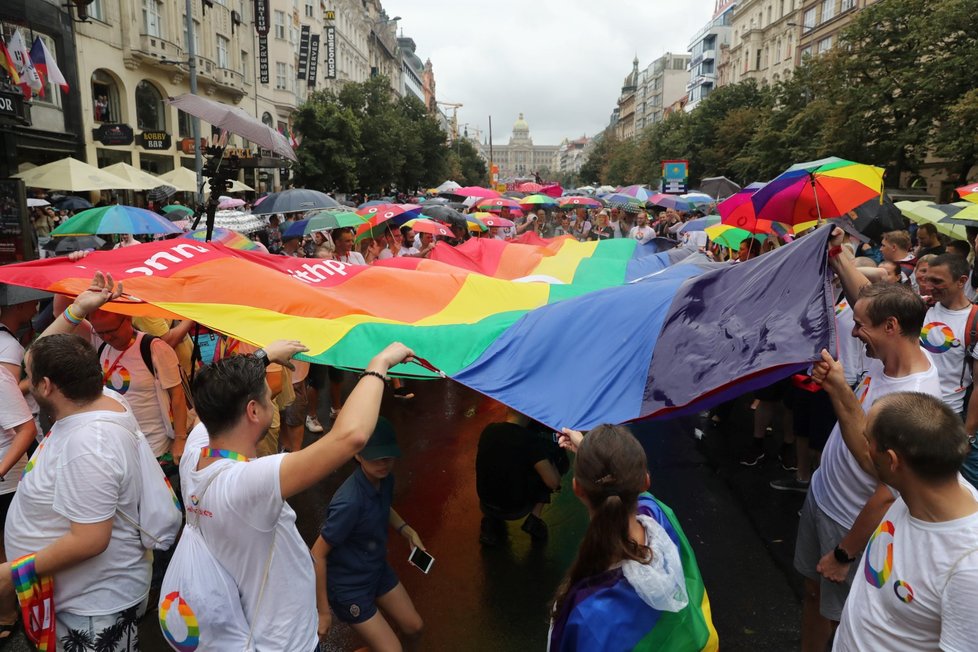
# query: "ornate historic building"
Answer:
x=520 y=158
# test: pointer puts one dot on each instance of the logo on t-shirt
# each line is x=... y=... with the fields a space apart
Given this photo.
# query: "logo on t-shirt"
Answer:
x=937 y=337
x=118 y=380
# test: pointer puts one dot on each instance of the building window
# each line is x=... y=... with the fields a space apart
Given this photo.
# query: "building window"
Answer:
x=808 y=24
x=309 y=9
x=184 y=127
x=186 y=37
x=95 y=10
x=222 y=52
x=280 y=24
x=105 y=97
x=153 y=17
x=757 y=60
x=280 y=76
x=52 y=92
x=244 y=64
x=828 y=10
x=267 y=120
x=825 y=45
x=848 y=4
x=806 y=52
x=293 y=82
x=150 y=114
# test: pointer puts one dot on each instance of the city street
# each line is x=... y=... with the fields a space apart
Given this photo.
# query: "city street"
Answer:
x=496 y=599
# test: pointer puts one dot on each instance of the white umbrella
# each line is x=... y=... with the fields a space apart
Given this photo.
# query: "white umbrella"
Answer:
x=32 y=202
x=73 y=175
x=235 y=120
x=236 y=186
x=144 y=180
x=448 y=186
x=185 y=180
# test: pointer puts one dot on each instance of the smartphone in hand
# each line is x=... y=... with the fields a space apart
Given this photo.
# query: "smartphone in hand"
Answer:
x=421 y=559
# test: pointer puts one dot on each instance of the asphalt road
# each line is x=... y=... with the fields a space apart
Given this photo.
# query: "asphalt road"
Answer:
x=496 y=600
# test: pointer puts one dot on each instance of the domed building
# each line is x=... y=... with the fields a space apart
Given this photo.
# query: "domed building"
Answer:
x=521 y=158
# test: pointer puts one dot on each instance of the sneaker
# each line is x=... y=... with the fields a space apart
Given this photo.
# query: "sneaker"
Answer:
x=333 y=413
x=313 y=425
x=403 y=393
x=754 y=454
x=535 y=527
x=788 y=458
x=790 y=484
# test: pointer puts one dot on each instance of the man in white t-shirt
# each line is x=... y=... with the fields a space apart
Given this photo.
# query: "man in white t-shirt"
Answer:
x=18 y=305
x=642 y=231
x=845 y=503
x=65 y=520
x=343 y=240
x=919 y=578
x=244 y=511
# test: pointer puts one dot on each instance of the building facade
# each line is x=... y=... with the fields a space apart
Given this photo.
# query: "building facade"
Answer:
x=763 y=42
x=821 y=21
x=41 y=130
x=412 y=70
x=660 y=84
x=520 y=157
x=705 y=48
x=570 y=155
x=625 y=117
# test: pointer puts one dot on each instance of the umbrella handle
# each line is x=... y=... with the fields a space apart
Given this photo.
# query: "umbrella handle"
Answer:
x=818 y=209
x=421 y=362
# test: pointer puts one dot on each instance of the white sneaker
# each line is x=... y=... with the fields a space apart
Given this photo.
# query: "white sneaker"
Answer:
x=313 y=425
x=333 y=413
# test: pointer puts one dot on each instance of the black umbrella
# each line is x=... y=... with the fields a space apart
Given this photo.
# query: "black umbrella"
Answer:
x=445 y=214
x=873 y=219
x=457 y=205
x=72 y=203
x=293 y=201
x=67 y=244
x=347 y=202
x=719 y=187
x=435 y=201
x=161 y=193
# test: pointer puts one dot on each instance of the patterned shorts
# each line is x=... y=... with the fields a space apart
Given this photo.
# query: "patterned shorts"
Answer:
x=116 y=632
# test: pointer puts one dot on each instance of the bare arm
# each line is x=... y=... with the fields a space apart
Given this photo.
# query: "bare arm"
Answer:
x=548 y=473
x=855 y=540
x=353 y=427
x=102 y=290
x=405 y=530
x=852 y=419
x=82 y=542
x=320 y=550
x=178 y=408
x=844 y=265
x=24 y=434
x=971 y=422
x=175 y=335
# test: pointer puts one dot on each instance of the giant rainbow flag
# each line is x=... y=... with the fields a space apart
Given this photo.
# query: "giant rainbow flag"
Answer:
x=618 y=331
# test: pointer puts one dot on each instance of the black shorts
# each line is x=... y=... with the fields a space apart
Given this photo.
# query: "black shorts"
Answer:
x=814 y=416
x=5 y=500
x=777 y=391
x=318 y=373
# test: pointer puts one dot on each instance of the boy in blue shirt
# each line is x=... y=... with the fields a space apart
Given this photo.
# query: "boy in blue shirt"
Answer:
x=351 y=551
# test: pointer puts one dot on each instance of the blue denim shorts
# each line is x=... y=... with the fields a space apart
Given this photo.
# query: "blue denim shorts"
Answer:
x=360 y=606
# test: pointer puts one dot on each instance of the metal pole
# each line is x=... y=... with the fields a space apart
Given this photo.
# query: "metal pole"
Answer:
x=490 y=152
x=194 y=121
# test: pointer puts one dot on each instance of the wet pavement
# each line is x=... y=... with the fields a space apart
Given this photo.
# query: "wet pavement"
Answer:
x=496 y=599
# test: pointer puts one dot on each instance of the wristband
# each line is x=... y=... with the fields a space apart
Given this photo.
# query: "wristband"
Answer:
x=835 y=251
x=400 y=530
x=71 y=317
x=375 y=374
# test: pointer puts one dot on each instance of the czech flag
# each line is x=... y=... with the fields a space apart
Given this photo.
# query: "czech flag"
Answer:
x=47 y=65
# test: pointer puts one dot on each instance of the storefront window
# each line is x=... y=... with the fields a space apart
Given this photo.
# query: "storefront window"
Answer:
x=105 y=97
x=150 y=112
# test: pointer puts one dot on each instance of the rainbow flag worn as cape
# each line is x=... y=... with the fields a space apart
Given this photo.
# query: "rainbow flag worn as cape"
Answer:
x=620 y=331
x=605 y=613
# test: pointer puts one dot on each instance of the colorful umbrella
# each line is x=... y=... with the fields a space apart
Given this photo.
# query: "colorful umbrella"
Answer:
x=532 y=202
x=624 y=202
x=488 y=219
x=389 y=211
x=324 y=220
x=808 y=192
x=529 y=186
x=229 y=203
x=969 y=193
x=697 y=198
x=700 y=224
x=116 y=219
x=641 y=193
x=576 y=201
x=178 y=211
x=730 y=236
x=671 y=201
x=475 y=191
x=498 y=204
x=226 y=237
x=422 y=225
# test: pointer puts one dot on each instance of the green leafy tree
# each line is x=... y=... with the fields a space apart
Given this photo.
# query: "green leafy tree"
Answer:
x=465 y=165
x=330 y=144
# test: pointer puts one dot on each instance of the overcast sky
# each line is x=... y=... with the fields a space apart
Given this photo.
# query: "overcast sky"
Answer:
x=559 y=62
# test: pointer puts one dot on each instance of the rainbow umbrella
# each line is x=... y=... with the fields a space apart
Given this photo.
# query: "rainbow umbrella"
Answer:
x=488 y=219
x=226 y=237
x=730 y=236
x=422 y=225
x=575 y=201
x=324 y=219
x=498 y=204
x=532 y=202
x=826 y=188
x=529 y=186
x=671 y=201
x=116 y=219
x=389 y=210
x=969 y=193
x=178 y=211
x=700 y=224
x=641 y=193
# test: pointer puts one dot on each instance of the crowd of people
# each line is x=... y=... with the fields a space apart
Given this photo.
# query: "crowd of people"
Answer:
x=880 y=438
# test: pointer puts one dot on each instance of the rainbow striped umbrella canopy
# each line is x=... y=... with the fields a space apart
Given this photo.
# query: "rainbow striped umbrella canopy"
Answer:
x=226 y=237
x=575 y=201
x=822 y=189
x=969 y=193
x=116 y=219
x=730 y=236
x=531 y=202
x=498 y=204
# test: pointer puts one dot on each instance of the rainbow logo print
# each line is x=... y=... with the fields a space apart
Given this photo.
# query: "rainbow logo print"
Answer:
x=937 y=337
x=840 y=307
x=122 y=374
x=192 y=638
x=903 y=591
x=876 y=575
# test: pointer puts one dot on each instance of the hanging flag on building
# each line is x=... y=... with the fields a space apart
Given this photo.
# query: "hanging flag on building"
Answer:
x=29 y=79
x=7 y=63
x=46 y=65
x=303 y=52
